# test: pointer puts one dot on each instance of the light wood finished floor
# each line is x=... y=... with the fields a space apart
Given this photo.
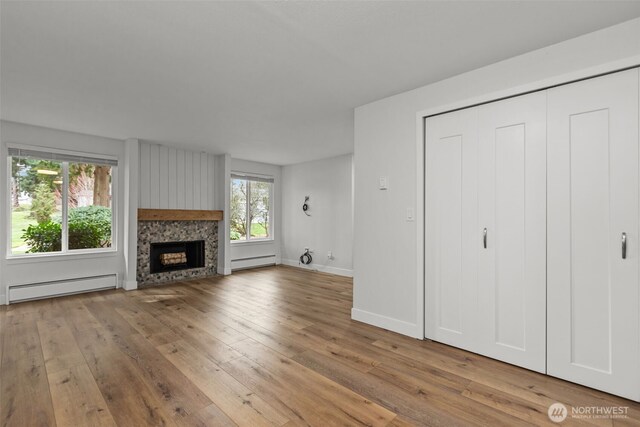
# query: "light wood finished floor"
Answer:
x=272 y=346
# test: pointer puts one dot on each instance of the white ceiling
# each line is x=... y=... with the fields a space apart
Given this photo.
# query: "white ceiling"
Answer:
x=267 y=81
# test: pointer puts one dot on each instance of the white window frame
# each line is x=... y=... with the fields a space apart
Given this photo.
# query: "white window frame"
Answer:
x=65 y=251
x=248 y=177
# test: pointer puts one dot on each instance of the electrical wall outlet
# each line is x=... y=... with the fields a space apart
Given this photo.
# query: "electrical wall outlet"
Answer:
x=383 y=183
x=410 y=215
x=330 y=255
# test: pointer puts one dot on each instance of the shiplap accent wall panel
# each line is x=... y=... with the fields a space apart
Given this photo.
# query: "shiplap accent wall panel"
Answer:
x=171 y=178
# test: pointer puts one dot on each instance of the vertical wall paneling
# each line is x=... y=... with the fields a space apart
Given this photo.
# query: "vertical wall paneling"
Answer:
x=172 y=189
x=172 y=178
x=154 y=176
x=180 y=181
x=188 y=179
x=144 y=175
x=211 y=189
x=195 y=179
x=204 y=182
x=163 y=172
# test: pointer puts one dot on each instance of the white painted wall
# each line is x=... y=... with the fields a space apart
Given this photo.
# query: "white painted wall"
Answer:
x=328 y=183
x=172 y=178
x=222 y=202
x=131 y=201
x=43 y=269
x=241 y=252
x=387 y=273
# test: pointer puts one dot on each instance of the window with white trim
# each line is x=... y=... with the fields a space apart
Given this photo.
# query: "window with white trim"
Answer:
x=251 y=216
x=59 y=203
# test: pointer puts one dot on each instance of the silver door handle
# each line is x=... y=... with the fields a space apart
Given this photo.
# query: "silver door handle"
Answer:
x=624 y=245
x=484 y=237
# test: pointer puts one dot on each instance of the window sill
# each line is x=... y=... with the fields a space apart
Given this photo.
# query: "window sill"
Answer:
x=51 y=257
x=251 y=242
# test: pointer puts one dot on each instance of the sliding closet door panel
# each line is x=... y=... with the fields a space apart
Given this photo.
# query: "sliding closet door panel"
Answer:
x=591 y=255
x=511 y=200
x=450 y=294
x=449 y=196
x=508 y=315
x=593 y=298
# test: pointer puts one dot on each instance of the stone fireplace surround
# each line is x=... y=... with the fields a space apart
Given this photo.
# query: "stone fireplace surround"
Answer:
x=169 y=226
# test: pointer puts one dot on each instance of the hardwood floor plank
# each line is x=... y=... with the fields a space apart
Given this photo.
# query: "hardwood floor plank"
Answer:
x=196 y=331
x=283 y=345
x=77 y=401
x=128 y=397
x=389 y=396
x=400 y=421
x=520 y=383
x=36 y=310
x=210 y=416
x=3 y=327
x=74 y=393
x=268 y=346
x=258 y=310
x=177 y=392
x=59 y=347
x=284 y=395
x=148 y=326
x=502 y=402
x=179 y=396
x=25 y=398
x=78 y=317
x=359 y=408
x=218 y=330
x=214 y=349
x=238 y=402
x=109 y=319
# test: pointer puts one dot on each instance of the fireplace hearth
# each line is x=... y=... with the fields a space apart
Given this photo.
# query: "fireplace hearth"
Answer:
x=175 y=238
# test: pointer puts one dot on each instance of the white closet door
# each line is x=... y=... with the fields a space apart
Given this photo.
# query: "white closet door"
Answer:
x=592 y=302
x=512 y=215
x=451 y=222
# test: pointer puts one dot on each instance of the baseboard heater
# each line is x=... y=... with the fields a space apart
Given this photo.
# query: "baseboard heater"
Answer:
x=57 y=288
x=256 y=261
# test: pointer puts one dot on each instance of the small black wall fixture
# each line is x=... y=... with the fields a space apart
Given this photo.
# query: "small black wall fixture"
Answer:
x=306 y=257
x=305 y=206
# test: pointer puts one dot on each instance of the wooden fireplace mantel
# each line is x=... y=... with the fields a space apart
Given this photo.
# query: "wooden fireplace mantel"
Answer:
x=178 y=215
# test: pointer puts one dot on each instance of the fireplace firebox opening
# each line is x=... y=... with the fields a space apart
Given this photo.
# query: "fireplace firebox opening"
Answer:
x=171 y=256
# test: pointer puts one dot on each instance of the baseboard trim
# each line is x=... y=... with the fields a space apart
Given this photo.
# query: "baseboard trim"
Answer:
x=384 y=322
x=130 y=285
x=260 y=261
x=321 y=268
x=56 y=288
x=3 y=300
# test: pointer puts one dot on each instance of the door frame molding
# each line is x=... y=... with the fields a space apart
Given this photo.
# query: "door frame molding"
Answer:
x=421 y=116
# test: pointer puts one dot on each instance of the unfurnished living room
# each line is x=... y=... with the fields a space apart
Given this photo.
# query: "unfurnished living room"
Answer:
x=319 y=213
